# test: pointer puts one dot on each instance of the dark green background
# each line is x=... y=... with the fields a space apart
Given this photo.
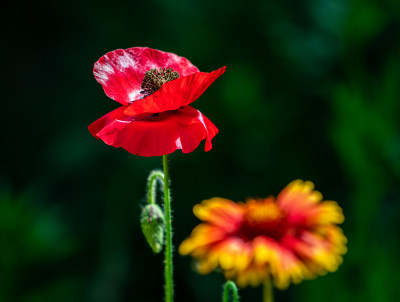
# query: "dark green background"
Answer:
x=311 y=91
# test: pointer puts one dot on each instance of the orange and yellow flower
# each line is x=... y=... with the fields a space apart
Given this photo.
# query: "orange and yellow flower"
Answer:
x=289 y=239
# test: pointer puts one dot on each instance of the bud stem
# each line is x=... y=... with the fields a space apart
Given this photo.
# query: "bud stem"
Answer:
x=168 y=273
x=156 y=176
x=230 y=285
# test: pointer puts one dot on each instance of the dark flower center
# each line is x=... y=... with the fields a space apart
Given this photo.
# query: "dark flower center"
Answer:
x=155 y=78
x=262 y=219
x=275 y=230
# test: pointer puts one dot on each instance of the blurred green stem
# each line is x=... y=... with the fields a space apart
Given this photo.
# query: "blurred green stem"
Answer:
x=168 y=273
x=230 y=285
x=267 y=291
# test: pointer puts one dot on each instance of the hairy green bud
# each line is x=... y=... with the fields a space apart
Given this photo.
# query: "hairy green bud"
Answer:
x=153 y=226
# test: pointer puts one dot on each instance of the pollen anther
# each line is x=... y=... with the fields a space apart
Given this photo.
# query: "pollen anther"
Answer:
x=155 y=78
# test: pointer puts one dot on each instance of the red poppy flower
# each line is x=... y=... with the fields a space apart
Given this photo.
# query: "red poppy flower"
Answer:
x=287 y=239
x=155 y=89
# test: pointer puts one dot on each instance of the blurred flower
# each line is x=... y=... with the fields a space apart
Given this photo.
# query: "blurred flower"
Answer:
x=289 y=239
x=155 y=88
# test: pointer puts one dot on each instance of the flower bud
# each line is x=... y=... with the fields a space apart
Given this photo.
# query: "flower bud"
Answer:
x=153 y=226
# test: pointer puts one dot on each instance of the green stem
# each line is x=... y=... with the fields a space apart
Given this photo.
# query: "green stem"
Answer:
x=230 y=285
x=156 y=176
x=168 y=273
x=268 y=295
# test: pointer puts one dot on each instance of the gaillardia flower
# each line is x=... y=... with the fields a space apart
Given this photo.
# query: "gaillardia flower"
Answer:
x=289 y=239
x=155 y=89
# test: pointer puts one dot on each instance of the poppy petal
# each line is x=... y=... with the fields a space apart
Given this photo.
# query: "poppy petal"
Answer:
x=174 y=94
x=104 y=121
x=155 y=135
x=121 y=71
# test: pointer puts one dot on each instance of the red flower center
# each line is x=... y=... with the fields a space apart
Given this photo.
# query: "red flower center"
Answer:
x=154 y=79
x=262 y=218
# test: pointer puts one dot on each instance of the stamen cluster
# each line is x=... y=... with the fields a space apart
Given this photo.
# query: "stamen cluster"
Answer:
x=154 y=79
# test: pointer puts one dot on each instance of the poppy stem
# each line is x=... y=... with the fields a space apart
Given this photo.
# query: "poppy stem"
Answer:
x=156 y=176
x=230 y=285
x=268 y=295
x=168 y=273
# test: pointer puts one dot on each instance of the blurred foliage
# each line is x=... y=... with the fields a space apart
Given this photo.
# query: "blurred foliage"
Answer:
x=33 y=238
x=311 y=91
